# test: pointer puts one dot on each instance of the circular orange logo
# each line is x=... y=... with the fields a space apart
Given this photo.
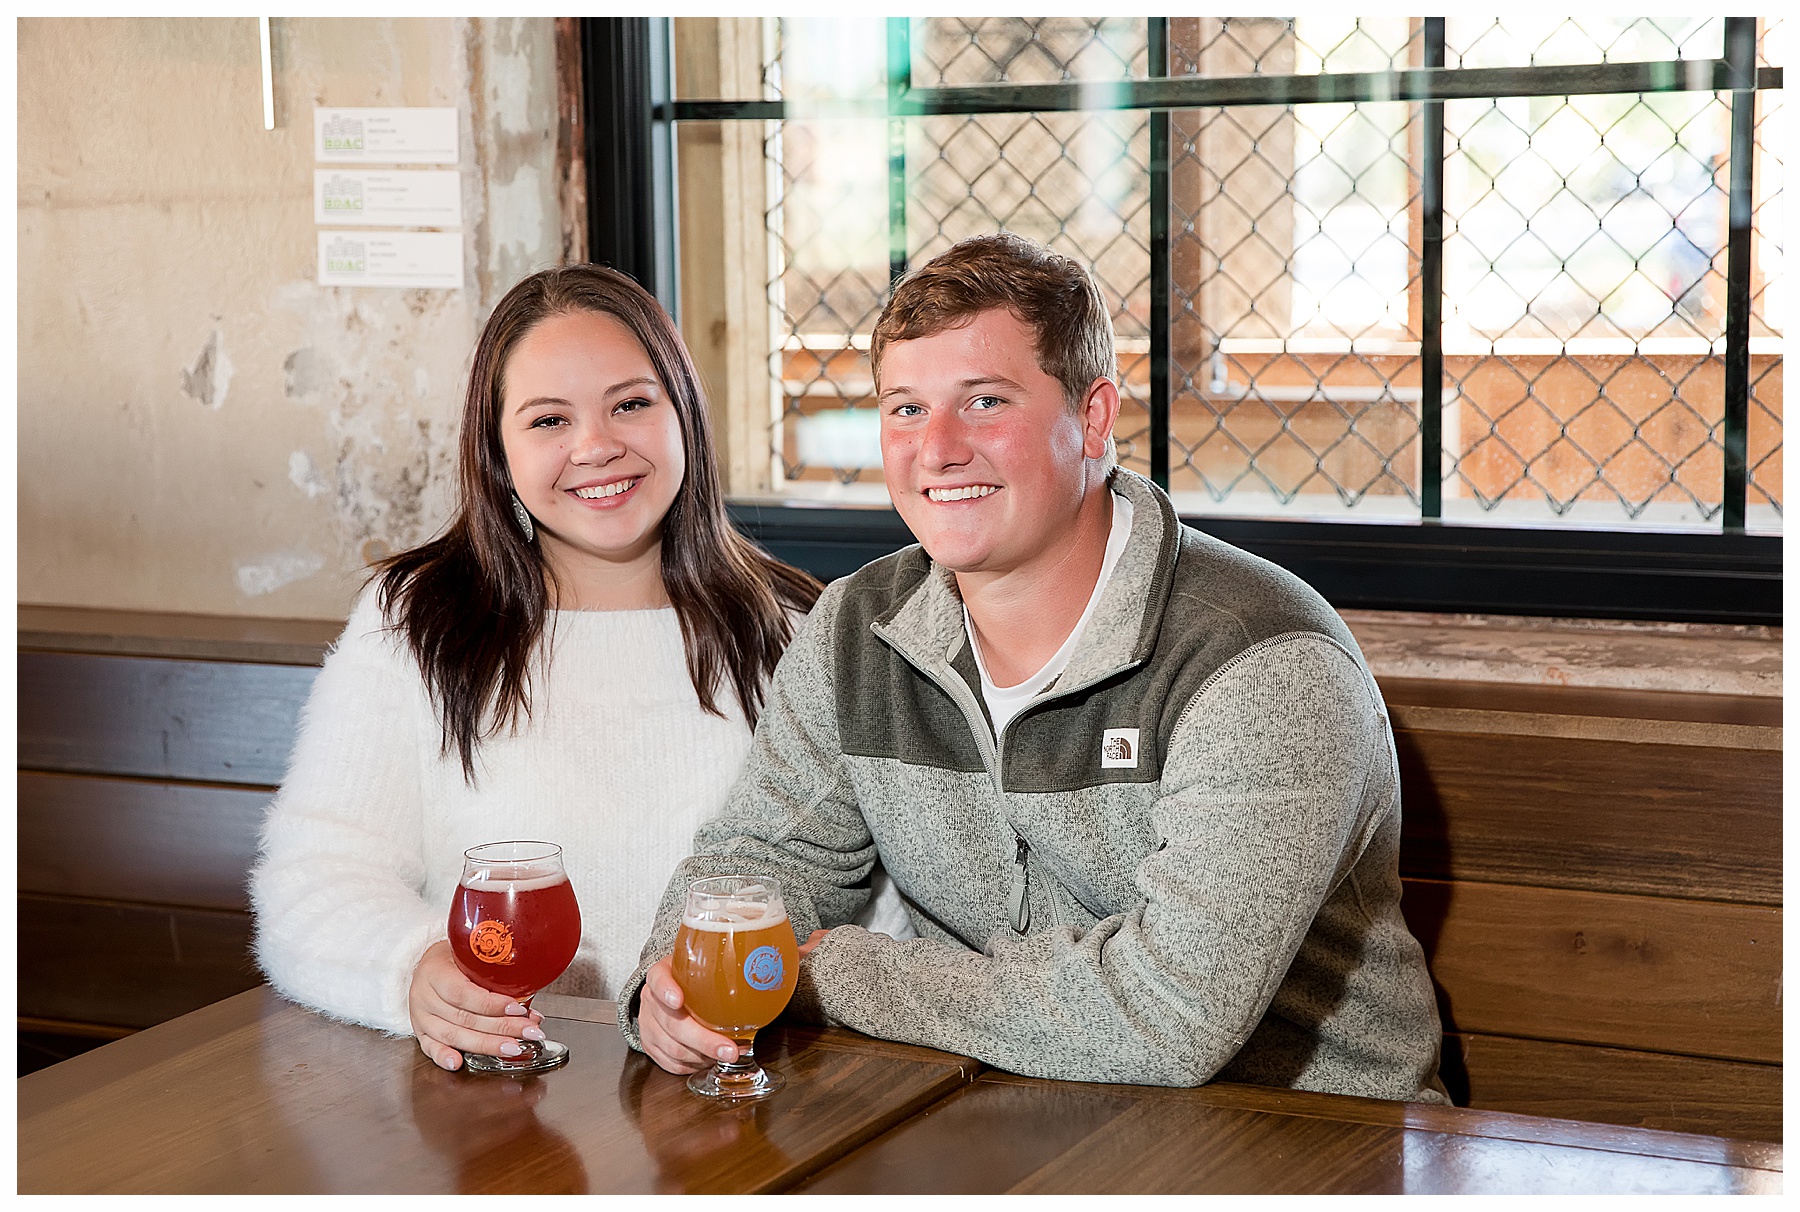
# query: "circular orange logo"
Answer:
x=491 y=942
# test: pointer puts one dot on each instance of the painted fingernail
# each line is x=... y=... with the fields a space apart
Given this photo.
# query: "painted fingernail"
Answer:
x=728 y=1053
x=510 y=1049
x=533 y=1033
x=516 y=1008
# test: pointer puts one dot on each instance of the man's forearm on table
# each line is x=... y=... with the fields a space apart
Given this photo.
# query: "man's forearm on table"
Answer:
x=1047 y=1006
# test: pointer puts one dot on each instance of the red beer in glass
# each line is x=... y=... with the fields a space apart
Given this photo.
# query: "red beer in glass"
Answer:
x=514 y=928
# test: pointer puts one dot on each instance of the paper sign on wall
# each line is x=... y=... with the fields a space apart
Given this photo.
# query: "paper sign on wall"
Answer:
x=391 y=258
x=421 y=197
x=391 y=135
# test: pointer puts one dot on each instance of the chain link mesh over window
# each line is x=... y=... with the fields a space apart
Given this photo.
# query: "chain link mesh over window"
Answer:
x=1769 y=294
x=1078 y=183
x=1295 y=286
x=1584 y=262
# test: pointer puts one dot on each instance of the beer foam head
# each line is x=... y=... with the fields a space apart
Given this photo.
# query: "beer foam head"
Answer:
x=725 y=915
x=488 y=881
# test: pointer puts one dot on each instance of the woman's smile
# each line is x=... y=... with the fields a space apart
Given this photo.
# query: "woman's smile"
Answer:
x=606 y=496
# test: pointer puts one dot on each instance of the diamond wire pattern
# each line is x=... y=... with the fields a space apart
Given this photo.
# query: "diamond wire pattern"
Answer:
x=1535 y=42
x=828 y=278
x=1296 y=368
x=1585 y=239
x=1294 y=293
x=1028 y=50
x=1077 y=183
x=1766 y=322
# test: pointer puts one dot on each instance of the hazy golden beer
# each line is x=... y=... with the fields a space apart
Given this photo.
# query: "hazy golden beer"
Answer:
x=736 y=978
x=737 y=965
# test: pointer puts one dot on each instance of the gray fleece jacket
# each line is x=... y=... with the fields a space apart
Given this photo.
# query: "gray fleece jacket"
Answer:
x=1179 y=863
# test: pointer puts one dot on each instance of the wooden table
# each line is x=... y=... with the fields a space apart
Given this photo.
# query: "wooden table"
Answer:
x=1068 y=1137
x=253 y=1094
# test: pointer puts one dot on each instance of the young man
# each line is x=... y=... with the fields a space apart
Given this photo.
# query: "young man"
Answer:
x=1136 y=787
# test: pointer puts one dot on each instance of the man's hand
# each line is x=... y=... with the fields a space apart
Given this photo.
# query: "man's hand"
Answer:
x=671 y=1036
x=451 y=1012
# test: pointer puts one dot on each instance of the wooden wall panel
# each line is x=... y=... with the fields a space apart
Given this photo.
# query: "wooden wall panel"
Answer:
x=1700 y=978
x=1655 y=820
x=208 y=721
x=127 y=965
x=1615 y=1086
x=131 y=840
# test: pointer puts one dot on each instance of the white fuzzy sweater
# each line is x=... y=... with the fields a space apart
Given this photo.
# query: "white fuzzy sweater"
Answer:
x=362 y=848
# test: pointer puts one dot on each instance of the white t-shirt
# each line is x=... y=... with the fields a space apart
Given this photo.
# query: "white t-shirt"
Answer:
x=1005 y=702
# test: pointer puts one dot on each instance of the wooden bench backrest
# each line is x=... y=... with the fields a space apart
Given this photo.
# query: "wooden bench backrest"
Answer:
x=1596 y=879
x=142 y=786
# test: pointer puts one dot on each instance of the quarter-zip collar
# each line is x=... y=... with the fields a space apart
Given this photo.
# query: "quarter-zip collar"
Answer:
x=927 y=626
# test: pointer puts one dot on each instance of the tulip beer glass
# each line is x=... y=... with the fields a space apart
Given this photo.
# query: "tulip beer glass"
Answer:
x=736 y=963
x=514 y=928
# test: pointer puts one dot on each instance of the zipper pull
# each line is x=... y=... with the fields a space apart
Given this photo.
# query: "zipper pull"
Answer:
x=1021 y=880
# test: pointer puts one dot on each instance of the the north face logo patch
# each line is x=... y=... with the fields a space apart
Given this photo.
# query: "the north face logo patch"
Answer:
x=1119 y=749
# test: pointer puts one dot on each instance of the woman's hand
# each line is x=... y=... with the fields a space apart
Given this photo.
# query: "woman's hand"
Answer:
x=451 y=1014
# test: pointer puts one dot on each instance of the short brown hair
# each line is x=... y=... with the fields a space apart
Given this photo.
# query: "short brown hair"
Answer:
x=1049 y=293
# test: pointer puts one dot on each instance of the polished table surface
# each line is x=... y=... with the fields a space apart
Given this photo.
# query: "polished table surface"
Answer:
x=256 y=1095
x=1044 y=1137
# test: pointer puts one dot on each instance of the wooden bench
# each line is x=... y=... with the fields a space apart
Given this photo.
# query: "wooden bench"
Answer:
x=1596 y=878
x=149 y=747
x=1595 y=874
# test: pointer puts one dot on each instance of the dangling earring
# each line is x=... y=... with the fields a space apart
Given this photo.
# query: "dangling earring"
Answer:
x=524 y=518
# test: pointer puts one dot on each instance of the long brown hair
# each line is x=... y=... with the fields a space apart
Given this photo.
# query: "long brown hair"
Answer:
x=472 y=602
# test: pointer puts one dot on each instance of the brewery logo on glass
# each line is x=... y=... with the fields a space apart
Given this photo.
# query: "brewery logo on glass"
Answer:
x=1119 y=749
x=762 y=968
x=491 y=942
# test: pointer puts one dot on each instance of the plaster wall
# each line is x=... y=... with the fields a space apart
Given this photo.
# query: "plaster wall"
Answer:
x=202 y=427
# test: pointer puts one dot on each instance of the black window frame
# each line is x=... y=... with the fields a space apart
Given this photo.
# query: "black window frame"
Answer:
x=1429 y=564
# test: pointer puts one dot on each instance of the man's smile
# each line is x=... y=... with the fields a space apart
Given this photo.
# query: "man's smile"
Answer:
x=965 y=492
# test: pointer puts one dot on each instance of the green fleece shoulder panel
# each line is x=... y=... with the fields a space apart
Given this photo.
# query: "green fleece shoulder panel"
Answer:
x=1222 y=602
x=1213 y=579
x=886 y=708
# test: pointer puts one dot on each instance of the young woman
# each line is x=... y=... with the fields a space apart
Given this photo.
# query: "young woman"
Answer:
x=580 y=658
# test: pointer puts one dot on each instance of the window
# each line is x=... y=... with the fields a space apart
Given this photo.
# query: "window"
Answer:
x=1495 y=299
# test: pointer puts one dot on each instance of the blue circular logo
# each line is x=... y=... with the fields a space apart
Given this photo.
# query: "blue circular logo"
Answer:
x=762 y=968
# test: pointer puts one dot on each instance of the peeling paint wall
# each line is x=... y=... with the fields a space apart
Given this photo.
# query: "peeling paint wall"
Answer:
x=202 y=427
